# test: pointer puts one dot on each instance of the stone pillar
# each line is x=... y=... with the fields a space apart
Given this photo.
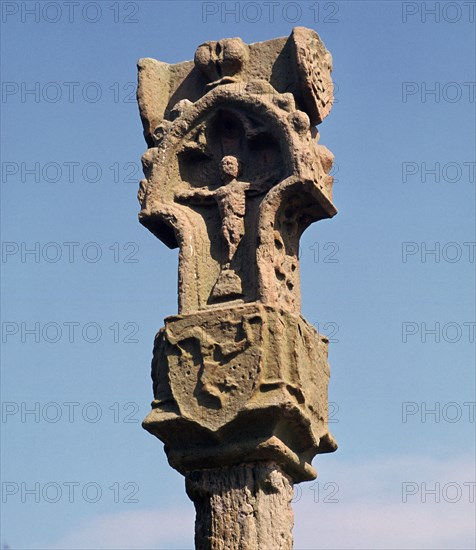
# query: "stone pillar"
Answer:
x=242 y=507
x=234 y=174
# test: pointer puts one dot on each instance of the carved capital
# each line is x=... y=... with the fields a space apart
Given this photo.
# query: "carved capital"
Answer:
x=239 y=384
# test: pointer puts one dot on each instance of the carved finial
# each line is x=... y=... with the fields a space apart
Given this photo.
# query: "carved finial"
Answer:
x=298 y=66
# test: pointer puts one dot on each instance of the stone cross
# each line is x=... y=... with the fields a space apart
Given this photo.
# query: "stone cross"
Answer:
x=233 y=176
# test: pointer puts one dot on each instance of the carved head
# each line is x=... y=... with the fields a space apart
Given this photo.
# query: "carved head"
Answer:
x=230 y=168
x=224 y=58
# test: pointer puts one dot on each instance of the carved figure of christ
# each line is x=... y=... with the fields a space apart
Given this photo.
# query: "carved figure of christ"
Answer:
x=231 y=202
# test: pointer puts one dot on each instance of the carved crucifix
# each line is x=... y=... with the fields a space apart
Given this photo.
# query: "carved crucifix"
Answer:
x=234 y=174
x=230 y=197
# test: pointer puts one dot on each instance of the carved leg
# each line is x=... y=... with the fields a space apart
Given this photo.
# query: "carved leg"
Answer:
x=245 y=507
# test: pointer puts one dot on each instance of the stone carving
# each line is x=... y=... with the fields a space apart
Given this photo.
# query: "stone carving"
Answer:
x=236 y=152
x=234 y=174
x=250 y=370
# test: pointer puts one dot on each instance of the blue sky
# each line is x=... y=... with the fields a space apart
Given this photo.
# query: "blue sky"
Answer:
x=78 y=319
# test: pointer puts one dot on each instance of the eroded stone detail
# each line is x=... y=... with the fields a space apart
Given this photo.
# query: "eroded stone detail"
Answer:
x=234 y=174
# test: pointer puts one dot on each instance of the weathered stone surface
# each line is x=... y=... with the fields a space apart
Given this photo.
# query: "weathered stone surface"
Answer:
x=241 y=383
x=234 y=174
x=235 y=155
x=299 y=65
x=243 y=507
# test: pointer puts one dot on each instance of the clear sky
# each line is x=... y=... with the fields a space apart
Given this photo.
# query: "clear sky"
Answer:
x=81 y=307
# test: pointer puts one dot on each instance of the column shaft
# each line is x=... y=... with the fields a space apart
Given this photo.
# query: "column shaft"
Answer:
x=245 y=507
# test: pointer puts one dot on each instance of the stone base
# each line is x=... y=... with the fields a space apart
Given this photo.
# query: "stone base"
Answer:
x=238 y=385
